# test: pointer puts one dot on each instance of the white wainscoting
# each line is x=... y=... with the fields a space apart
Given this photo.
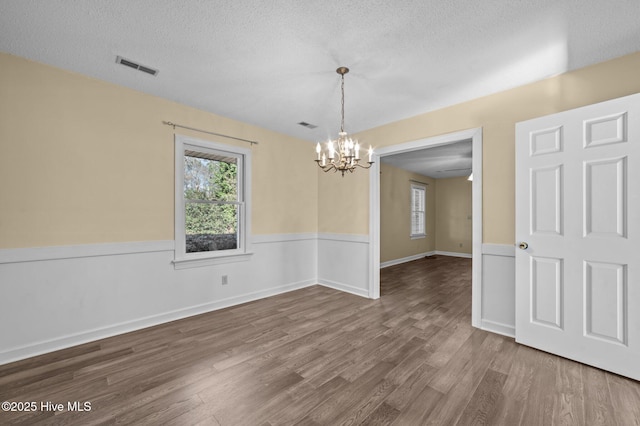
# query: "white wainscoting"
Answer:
x=498 y=289
x=343 y=262
x=57 y=297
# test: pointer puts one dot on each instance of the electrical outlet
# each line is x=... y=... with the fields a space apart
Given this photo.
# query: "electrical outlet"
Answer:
x=225 y=280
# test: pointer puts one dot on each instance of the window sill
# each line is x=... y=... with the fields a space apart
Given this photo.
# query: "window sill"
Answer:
x=418 y=236
x=186 y=263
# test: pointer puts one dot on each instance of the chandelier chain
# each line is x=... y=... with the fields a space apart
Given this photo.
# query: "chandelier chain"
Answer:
x=342 y=117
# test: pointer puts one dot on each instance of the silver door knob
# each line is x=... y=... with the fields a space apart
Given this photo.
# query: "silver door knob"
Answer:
x=523 y=245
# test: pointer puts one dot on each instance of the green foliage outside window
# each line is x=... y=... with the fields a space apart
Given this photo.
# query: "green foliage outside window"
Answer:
x=210 y=180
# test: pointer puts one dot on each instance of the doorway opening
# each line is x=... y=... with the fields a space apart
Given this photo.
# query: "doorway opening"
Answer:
x=475 y=135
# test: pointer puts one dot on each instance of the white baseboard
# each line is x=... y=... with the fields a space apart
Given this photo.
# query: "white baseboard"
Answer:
x=421 y=255
x=78 y=294
x=71 y=295
x=344 y=287
x=453 y=254
x=405 y=259
x=499 y=328
x=40 y=348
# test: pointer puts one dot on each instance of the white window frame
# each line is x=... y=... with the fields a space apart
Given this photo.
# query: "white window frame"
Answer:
x=182 y=259
x=422 y=188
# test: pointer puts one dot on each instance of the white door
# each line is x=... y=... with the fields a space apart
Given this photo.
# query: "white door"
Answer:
x=578 y=233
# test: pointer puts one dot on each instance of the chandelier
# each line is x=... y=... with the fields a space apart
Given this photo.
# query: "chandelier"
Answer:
x=343 y=153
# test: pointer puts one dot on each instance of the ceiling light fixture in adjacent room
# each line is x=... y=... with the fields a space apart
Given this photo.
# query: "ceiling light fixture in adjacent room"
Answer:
x=343 y=153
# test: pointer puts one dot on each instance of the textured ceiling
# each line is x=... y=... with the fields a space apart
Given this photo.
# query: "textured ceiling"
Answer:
x=443 y=161
x=272 y=63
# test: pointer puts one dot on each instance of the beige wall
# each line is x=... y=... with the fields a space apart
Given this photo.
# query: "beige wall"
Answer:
x=448 y=214
x=340 y=210
x=497 y=115
x=85 y=161
x=395 y=214
x=453 y=215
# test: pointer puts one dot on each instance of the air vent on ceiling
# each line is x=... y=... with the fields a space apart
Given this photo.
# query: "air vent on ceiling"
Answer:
x=135 y=66
x=307 y=125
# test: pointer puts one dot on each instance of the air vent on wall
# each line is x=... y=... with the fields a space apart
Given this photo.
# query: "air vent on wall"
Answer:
x=307 y=125
x=135 y=66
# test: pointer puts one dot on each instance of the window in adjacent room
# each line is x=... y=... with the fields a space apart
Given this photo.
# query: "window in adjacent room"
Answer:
x=212 y=201
x=418 y=195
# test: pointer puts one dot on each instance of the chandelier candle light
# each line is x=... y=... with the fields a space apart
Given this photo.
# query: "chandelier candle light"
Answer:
x=344 y=152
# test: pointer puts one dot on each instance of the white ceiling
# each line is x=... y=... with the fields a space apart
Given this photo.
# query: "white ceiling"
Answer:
x=439 y=162
x=272 y=63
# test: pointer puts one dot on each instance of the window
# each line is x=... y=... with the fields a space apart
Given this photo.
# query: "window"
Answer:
x=418 y=195
x=212 y=202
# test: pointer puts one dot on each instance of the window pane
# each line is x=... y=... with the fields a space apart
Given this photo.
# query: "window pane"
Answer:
x=210 y=179
x=211 y=227
x=417 y=210
x=417 y=223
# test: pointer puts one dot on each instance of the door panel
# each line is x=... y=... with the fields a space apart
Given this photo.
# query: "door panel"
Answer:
x=546 y=291
x=606 y=198
x=578 y=208
x=546 y=197
x=605 y=130
x=606 y=301
x=546 y=141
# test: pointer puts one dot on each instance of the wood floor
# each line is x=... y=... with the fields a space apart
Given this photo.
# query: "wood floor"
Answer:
x=321 y=357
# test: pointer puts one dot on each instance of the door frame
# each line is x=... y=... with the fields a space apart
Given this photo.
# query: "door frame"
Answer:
x=475 y=135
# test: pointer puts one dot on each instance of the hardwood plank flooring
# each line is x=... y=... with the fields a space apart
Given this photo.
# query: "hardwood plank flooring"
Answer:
x=317 y=356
